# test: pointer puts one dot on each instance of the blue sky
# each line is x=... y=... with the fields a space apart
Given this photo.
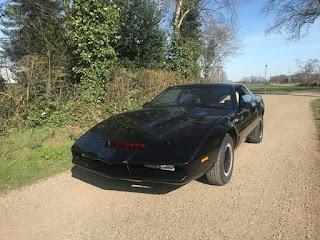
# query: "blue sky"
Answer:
x=273 y=50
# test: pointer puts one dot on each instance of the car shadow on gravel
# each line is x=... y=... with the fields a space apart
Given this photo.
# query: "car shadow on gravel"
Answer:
x=203 y=180
x=120 y=185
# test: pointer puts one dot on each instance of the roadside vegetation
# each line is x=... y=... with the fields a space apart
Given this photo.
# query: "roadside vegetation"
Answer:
x=307 y=78
x=30 y=154
x=39 y=146
x=261 y=88
x=316 y=107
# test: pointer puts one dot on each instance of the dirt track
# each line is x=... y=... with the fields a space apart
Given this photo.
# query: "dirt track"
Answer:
x=274 y=193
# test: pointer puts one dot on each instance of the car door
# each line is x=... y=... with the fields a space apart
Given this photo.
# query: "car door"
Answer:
x=244 y=116
x=255 y=108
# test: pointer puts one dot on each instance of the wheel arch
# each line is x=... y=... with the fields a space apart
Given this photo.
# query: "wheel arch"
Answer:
x=210 y=145
x=235 y=136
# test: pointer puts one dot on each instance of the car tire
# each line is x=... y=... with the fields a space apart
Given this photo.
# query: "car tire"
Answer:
x=221 y=172
x=257 y=134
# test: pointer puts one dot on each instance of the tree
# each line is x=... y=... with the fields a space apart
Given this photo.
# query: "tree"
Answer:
x=33 y=27
x=218 y=75
x=92 y=30
x=279 y=79
x=310 y=70
x=184 y=8
x=220 y=9
x=142 y=42
x=186 y=42
x=223 y=76
x=220 y=43
x=187 y=20
x=35 y=30
x=190 y=28
x=180 y=60
x=245 y=80
x=292 y=17
x=190 y=31
x=253 y=79
x=2 y=83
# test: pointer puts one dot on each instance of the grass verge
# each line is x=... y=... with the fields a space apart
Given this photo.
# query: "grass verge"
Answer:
x=280 y=88
x=316 y=108
x=31 y=154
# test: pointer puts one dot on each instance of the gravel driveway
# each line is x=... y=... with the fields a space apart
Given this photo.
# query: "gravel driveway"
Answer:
x=274 y=193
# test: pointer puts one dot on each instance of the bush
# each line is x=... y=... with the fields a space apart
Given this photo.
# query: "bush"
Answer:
x=126 y=91
x=91 y=102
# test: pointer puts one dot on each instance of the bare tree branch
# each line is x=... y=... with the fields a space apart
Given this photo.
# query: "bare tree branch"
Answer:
x=221 y=42
x=182 y=17
x=293 y=18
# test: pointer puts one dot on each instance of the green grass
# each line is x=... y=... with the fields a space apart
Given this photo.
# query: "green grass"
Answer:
x=31 y=154
x=316 y=107
x=280 y=88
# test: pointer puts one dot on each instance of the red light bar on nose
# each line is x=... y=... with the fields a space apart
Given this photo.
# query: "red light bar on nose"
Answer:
x=125 y=144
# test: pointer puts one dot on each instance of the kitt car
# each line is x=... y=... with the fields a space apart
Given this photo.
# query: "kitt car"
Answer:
x=186 y=132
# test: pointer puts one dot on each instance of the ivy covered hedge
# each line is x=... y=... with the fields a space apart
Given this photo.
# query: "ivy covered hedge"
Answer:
x=88 y=104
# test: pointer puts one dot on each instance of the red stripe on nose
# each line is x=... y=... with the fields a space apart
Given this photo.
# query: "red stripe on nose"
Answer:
x=125 y=144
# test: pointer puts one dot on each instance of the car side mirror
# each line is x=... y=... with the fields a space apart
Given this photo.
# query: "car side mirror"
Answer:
x=246 y=98
x=245 y=102
x=145 y=105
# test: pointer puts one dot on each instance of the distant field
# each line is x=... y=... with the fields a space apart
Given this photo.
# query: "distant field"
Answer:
x=280 y=88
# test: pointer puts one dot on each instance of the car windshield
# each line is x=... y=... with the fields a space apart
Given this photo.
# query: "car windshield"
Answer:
x=211 y=97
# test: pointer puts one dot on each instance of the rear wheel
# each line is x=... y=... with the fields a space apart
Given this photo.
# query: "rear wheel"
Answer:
x=221 y=172
x=257 y=134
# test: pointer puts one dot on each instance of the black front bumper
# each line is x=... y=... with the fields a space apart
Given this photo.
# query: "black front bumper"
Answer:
x=181 y=175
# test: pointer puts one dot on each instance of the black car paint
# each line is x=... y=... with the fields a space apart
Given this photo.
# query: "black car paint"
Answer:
x=172 y=136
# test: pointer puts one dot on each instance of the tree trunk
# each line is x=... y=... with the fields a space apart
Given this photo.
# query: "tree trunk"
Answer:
x=177 y=13
x=48 y=90
x=159 y=7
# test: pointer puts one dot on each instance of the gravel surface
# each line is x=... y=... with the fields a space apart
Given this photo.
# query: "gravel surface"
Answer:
x=274 y=193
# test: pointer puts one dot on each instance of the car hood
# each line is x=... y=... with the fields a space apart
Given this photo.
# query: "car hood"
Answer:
x=170 y=135
x=158 y=126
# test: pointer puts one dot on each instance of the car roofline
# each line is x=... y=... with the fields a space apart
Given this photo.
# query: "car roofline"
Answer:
x=204 y=85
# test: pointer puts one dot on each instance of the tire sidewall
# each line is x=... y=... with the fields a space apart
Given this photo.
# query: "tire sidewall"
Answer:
x=227 y=140
x=260 y=135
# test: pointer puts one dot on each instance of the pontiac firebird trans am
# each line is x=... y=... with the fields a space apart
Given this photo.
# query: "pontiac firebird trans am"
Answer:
x=186 y=132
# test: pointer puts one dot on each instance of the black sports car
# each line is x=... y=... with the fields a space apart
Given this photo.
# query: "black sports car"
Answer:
x=185 y=132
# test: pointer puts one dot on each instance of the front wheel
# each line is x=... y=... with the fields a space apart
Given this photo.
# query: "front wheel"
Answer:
x=221 y=172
